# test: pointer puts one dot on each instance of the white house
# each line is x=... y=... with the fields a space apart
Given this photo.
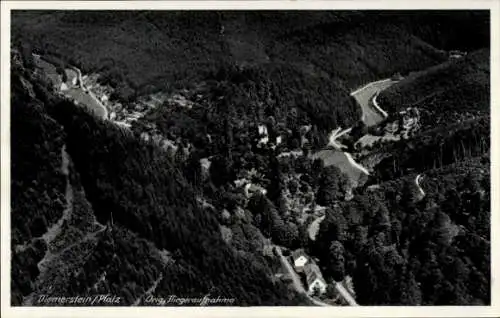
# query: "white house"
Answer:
x=264 y=138
x=314 y=279
x=250 y=189
x=300 y=259
x=205 y=164
x=241 y=182
x=262 y=130
x=278 y=140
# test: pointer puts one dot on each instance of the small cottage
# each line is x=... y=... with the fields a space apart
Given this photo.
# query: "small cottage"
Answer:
x=314 y=279
x=262 y=130
x=300 y=259
x=263 y=134
x=251 y=189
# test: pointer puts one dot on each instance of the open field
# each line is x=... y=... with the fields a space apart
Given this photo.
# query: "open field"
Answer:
x=86 y=99
x=332 y=157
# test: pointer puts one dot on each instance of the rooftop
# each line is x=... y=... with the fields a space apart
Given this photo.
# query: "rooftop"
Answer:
x=313 y=272
x=298 y=253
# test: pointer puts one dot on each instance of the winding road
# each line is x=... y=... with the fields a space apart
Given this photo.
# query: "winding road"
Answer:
x=377 y=106
x=332 y=138
x=372 y=115
x=366 y=97
x=417 y=183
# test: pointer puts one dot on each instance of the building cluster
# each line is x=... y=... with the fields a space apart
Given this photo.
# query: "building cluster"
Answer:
x=305 y=266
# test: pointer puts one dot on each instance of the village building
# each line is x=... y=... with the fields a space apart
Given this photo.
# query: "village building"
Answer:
x=241 y=182
x=314 y=279
x=263 y=134
x=300 y=259
x=263 y=140
x=205 y=164
x=251 y=189
x=262 y=130
x=279 y=139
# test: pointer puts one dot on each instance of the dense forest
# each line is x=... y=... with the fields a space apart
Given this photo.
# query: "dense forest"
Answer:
x=198 y=194
x=407 y=250
x=146 y=199
x=230 y=108
x=179 y=49
x=37 y=186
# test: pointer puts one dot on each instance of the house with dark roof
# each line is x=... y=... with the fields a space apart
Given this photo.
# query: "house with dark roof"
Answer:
x=299 y=259
x=314 y=279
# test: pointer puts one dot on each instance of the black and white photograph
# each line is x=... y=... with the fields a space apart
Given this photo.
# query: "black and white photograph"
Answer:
x=240 y=157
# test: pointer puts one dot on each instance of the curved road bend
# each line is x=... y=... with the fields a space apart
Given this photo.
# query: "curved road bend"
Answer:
x=377 y=106
x=355 y=164
x=417 y=183
x=364 y=96
x=372 y=115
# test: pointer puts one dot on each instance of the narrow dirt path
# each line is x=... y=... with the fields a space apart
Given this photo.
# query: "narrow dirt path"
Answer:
x=56 y=229
x=46 y=264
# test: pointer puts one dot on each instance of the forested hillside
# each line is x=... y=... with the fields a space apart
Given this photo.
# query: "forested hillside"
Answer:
x=143 y=204
x=151 y=51
x=37 y=186
x=270 y=60
x=401 y=248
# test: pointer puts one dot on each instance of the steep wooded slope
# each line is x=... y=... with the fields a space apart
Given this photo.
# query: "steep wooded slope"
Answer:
x=446 y=93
